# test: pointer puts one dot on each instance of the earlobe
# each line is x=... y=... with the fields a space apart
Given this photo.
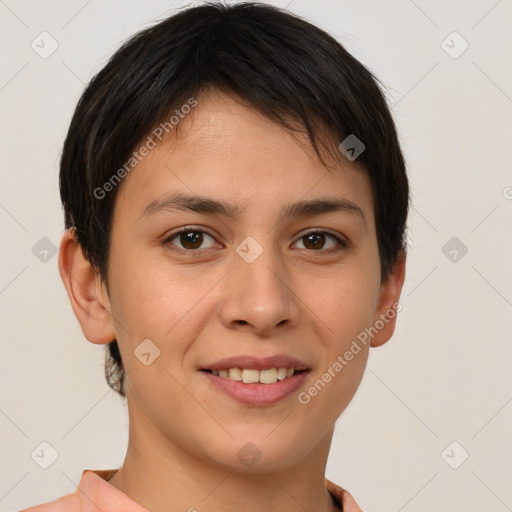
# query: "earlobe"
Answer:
x=82 y=283
x=388 y=304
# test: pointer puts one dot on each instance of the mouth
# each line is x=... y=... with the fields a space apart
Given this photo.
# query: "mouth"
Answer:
x=257 y=380
x=255 y=376
x=256 y=388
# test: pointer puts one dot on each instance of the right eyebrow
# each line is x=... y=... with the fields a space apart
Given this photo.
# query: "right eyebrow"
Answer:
x=184 y=202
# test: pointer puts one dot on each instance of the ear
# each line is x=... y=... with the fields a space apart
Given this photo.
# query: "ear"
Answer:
x=87 y=294
x=388 y=306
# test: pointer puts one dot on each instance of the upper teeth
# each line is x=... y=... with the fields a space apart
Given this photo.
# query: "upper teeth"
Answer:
x=251 y=376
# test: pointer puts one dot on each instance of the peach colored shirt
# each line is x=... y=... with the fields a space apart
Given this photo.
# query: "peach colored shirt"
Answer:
x=96 y=495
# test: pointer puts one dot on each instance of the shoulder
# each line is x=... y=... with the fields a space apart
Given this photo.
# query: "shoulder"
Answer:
x=344 y=497
x=63 y=504
x=93 y=493
x=93 y=486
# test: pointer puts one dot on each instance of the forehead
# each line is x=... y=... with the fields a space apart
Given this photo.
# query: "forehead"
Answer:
x=225 y=148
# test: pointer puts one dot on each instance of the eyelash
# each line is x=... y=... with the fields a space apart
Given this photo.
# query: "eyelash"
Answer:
x=342 y=244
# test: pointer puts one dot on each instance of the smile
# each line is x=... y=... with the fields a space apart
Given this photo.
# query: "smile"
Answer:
x=253 y=376
x=255 y=392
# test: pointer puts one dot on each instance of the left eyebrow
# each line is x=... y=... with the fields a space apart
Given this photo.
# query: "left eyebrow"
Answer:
x=209 y=206
x=320 y=207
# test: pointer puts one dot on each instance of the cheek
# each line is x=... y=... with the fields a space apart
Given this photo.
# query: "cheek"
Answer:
x=344 y=303
x=155 y=301
x=341 y=310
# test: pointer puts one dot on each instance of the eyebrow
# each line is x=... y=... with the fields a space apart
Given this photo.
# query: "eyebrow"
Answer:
x=209 y=206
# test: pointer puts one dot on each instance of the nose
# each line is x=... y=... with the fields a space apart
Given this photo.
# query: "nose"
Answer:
x=259 y=297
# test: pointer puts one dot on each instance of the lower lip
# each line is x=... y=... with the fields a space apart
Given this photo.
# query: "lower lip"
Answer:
x=257 y=394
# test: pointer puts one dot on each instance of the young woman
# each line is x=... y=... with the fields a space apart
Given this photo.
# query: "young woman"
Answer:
x=235 y=201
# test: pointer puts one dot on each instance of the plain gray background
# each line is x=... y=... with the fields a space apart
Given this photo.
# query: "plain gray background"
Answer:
x=446 y=374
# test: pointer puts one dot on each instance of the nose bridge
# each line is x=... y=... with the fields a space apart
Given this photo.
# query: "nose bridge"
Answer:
x=258 y=295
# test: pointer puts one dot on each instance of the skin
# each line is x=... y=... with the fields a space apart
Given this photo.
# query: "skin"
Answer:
x=199 y=307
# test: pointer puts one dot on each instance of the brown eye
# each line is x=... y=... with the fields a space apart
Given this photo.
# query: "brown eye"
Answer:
x=314 y=240
x=319 y=241
x=189 y=239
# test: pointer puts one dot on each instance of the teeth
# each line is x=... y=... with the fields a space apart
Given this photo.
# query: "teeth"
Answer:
x=282 y=373
x=268 y=376
x=235 y=374
x=252 y=376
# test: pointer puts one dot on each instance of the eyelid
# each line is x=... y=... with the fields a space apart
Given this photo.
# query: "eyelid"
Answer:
x=341 y=239
x=168 y=238
x=190 y=228
x=320 y=230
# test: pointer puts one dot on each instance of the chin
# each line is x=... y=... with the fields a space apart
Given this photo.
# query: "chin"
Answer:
x=253 y=454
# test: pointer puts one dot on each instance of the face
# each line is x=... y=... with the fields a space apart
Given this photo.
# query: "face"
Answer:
x=303 y=285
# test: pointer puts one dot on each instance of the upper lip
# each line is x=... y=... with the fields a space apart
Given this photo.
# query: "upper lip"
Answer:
x=257 y=363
